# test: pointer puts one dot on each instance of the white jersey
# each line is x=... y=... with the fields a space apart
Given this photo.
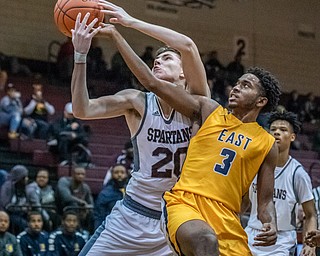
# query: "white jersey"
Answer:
x=160 y=147
x=292 y=185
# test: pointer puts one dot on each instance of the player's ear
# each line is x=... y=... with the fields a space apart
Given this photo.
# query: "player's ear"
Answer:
x=261 y=101
x=293 y=137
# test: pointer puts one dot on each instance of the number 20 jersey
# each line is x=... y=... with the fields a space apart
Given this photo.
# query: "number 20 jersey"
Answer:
x=223 y=158
x=159 y=146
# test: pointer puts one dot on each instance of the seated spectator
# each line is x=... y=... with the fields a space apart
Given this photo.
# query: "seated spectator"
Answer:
x=213 y=65
x=3 y=177
x=293 y=103
x=310 y=110
x=126 y=158
x=11 y=111
x=33 y=241
x=35 y=123
x=65 y=60
x=73 y=192
x=110 y=194
x=69 y=137
x=96 y=65
x=42 y=198
x=147 y=56
x=66 y=241
x=14 y=199
x=8 y=242
x=235 y=69
x=120 y=72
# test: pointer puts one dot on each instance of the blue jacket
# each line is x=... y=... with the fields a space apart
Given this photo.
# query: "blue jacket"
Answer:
x=33 y=244
x=105 y=201
x=61 y=244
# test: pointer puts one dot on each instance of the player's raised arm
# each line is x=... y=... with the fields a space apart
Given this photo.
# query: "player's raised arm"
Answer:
x=175 y=95
x=266 y=209
x=103 y=107
x=191 y=61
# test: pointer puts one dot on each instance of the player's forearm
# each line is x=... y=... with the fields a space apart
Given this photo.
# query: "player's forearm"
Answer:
x=267 y=213
x=168 y=36
x=79 y=92
x=141 y=71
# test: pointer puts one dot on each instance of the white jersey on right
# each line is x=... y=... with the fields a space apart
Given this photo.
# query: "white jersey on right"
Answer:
x=292 y=185
x=159 y=147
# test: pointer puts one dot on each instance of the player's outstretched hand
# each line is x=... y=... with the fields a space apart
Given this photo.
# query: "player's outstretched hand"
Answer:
x=106 y=30
x=313 y=238
x=267 y=236
x=82 y=34
x=118 y=14
x=308 y=251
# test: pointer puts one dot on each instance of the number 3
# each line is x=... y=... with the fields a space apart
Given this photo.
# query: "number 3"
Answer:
x=224 y=168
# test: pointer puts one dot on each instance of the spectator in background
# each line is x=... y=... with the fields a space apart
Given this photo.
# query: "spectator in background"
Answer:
x=65 y=60
x=147 y=56
x=8 y=242
x=11 y=111
x=293 y=103
x=112 y=192
x=235 y=69
x=96 y=65
x=66 y=241
x=34 y=241
x=35 y=123
x=292 y=186
x=74 y=192
x=42 y=198
x=126 y=158
x=120 y=71
x=68 y=136
x=213 y=65
x=310 y=109
x=14 y=199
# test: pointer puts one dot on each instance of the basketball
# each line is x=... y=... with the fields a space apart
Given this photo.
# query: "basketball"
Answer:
x=66 y=11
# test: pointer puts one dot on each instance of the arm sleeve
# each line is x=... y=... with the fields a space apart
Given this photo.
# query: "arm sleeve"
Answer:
x=30 y=107
x=17 y=249
x=302 y=186
x=49 y=108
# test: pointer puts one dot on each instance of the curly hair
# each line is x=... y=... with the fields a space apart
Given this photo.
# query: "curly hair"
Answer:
x=290 y=117
x=167 y=49
x=270 y=87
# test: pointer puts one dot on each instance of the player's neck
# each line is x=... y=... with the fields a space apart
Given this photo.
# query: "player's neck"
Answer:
x=283 y=158
x=166 y=108
x=246 y=116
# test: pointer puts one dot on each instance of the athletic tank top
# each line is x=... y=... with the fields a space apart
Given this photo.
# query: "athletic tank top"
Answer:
x=223 y=158
x=285 y=197
x=160 y=147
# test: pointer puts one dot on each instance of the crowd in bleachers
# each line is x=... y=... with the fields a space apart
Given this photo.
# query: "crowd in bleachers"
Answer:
x=66 y=210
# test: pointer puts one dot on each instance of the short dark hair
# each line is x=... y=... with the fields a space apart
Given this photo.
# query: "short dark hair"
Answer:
x=69 y=212
x=290 y=117
x=167 y=49
x=33 y=213
x=270 y=87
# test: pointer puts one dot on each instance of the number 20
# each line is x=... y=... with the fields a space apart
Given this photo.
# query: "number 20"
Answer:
x=224 y=168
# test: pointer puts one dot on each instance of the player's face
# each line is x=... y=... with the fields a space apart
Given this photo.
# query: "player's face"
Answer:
x=70 y=223
x=42 y=179
x=4 y=222
x=167 y=66
x=283 y=133
x=246 y=93
x=36 y=223
x=79 y=174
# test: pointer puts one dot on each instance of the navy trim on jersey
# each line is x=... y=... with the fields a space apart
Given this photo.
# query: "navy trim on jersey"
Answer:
x=136 y=161
x=293 y=213
x=140 y=209
x=285 y=167
x=166 y=120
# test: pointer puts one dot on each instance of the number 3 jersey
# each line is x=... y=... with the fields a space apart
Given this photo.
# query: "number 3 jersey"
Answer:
x=223 y=158
x=160 y=146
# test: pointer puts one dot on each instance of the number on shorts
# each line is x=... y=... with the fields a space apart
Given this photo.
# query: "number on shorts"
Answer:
x=169 y=156
x=224 y=168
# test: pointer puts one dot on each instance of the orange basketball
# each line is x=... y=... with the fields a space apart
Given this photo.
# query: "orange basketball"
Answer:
x=66 y=11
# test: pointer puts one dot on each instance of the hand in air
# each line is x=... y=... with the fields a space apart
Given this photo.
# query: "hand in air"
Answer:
x=267 y=236
x=106 y=30
x=118 y=14
x=313 y=238
x=82 y=34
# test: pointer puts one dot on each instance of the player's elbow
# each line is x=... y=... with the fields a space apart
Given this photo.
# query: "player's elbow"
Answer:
x=188 y=46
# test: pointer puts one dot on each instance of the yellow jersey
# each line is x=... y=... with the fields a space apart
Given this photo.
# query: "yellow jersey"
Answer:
x=223 y=158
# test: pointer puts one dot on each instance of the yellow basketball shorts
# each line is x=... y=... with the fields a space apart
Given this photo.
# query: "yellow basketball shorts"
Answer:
x=181 y=206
